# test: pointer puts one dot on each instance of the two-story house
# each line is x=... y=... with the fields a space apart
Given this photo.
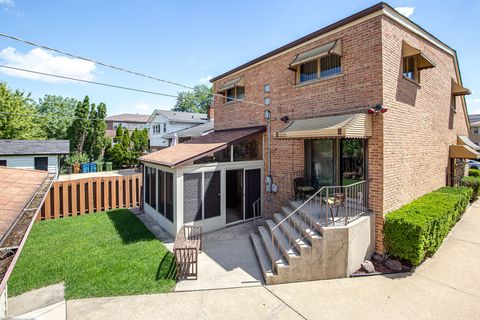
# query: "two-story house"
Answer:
x=130 y=121
x=324 y=136
x=162 y=123
x=474 y=133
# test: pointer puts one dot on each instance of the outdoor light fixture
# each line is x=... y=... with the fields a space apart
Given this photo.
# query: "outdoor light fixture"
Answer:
x=284 y=119
x=376 y=109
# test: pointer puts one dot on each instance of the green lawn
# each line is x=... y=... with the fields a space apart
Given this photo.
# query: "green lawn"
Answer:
x=101 y=254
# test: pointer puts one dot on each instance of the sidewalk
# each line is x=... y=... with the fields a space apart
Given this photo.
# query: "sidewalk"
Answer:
x=446 y=286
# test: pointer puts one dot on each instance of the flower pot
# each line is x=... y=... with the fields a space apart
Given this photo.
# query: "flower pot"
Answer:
x=108 y=166
x=69 y=169
x=76 y=168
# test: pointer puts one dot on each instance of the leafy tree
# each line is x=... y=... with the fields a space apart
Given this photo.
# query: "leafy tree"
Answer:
x=126 y=142
x=14 y=124
x=97 y=139
x=117 y=155
x=59 y=113
x=140 y=140
x=77 y=132
x=197 y=100
x=118 y=135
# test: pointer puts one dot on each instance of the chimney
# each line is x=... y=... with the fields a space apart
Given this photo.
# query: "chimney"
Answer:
x=210 y=112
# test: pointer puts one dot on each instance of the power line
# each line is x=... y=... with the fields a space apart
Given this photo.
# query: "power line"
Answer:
x=31 y=43
x=88 y=81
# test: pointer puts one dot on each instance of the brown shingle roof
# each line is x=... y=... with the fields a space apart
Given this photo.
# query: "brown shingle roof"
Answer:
x=17 y=187
x=189 y=151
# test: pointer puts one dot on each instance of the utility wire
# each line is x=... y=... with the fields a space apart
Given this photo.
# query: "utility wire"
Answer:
x=88 y=81
x=120 y=68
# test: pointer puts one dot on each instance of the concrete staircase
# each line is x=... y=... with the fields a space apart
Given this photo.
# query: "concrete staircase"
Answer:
x=304 y=250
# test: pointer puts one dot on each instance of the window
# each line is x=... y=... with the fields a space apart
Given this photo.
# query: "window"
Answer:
x=192 y=197
x=235 y=93
x=41 y=163
x=410 y=68
x=266 y=101
x=319 y=68
x=160 y=128
x=165 y=194
x=266 y=88
x=3 y=163
x=475 y=130
x=164 y=127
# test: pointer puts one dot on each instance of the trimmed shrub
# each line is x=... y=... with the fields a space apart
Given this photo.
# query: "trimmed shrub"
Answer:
x=416 y=230
x=473 y=183
x=474 y=173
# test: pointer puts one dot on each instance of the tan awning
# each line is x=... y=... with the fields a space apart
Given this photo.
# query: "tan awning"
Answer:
x=458 y=90
x=200 y=147
x=343 y=126
x=423 y=62
x=334 y=47
x=237 y=82
x=465 y=141
x=463 y=152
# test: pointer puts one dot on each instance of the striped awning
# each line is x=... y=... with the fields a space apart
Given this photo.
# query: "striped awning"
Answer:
x=334 y=47
x=464 y=149
x=458 y=90
x=423 y=62
x=237 y=82
x=343 y=126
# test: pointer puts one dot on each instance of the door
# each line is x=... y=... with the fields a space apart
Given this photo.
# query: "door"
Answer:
x=322 y=172
x=234 y=195
x=41 y=163
x=252 y=191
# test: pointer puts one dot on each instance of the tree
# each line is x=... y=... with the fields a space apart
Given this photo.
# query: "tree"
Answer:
x=77 y=132
x=140 y=140
x=197 y=100
x=15 y=106
x=117 y=155
x=59 y=113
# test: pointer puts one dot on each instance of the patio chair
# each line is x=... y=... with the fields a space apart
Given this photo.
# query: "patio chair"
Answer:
x=302 y=188
x=334 y=203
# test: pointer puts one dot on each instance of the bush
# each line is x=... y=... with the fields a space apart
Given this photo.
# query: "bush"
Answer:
x=473 y=183
x=416 y=230
x=474 y=172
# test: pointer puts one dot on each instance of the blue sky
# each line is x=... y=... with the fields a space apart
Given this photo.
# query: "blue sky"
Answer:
x=190 y=41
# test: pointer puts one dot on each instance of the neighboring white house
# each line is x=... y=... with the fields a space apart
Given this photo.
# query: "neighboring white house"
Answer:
x=163 y=122
x=190 y=133
x=34 y=154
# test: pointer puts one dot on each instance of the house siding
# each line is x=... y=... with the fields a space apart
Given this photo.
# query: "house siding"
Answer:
x=157 y=140
x=28 y=162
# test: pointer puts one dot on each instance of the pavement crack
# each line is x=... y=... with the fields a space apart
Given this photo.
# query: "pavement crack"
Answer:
x=467 y=241
x=449 y=286
x=285 y=303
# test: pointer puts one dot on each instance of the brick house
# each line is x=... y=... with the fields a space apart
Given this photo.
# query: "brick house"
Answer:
x=130 y=121
x=343 y=125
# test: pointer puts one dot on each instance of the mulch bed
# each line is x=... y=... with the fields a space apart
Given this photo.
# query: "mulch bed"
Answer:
x=381 y=268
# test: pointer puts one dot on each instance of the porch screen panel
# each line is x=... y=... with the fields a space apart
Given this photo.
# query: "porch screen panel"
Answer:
x=169 y=195
x=252 y=190
x=192 y=197
x=161 y=192
x=212 y=194
x=147 y=184
x=153 y=188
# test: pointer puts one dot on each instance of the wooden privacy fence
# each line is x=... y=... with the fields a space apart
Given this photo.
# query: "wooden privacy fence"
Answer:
x=96 y=194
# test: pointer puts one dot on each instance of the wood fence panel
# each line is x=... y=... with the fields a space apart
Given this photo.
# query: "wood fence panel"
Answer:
x=65 y=199
x=128 y=204
x=98 y=194
x=82 y=196
x=134 y=193
x=56 y=201
x=74 y=199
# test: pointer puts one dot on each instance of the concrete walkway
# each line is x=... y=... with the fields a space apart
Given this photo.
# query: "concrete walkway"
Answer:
x=446 y=286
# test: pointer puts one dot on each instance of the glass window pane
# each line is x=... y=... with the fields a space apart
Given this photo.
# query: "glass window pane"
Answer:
x=409 y=67
x=192 y=197
x=352 y=161
x=240 y=93
x=308 y=71
x=230 y=94
x=161 y=192
x=322 y=163
x=146 y=184
x=248 y=150
x=212 y=194
x=330 y=65
x=169 y=195
x=153 y=188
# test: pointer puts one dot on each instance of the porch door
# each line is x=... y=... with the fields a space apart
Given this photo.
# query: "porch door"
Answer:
x=234 y=195
x=252 y=191
x=322 y=162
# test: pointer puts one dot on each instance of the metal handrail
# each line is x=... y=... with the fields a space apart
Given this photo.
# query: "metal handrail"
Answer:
x=318 y=192
x=256 y=204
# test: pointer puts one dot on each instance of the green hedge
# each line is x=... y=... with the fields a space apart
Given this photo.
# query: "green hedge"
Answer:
x=416 y=230
x=473 y=183
x=474 y=172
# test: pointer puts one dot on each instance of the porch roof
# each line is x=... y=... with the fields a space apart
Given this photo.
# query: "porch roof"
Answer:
x=464 y=149
x=194 y=149
x=357 y=125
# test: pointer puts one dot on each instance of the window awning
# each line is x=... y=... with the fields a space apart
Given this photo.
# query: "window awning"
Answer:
x=334 y=47
x=458 y=90
x=200 y=147
x=464 y=140
x=344 y=126
x=464 y=149
x=237 y=82
x=423 y=62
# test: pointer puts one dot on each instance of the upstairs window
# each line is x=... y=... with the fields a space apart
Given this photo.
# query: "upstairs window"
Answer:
x=233 y=90
x=414 y=60
x=475 y=130
x=320 y=62
x=410 y=70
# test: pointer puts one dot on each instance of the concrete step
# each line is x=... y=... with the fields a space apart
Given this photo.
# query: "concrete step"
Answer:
x=311 y=234
x=262 y=257
x=293 y=233
x=287 y=247
x=311 y=217
x=273 y=253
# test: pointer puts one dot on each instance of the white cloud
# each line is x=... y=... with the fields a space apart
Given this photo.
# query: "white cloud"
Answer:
x=43 y=61
x=406 y=11
x=205 y=80
x=143 y=107
x=7 y=3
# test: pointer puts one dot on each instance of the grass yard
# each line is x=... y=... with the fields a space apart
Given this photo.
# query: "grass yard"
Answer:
x=102 y=254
